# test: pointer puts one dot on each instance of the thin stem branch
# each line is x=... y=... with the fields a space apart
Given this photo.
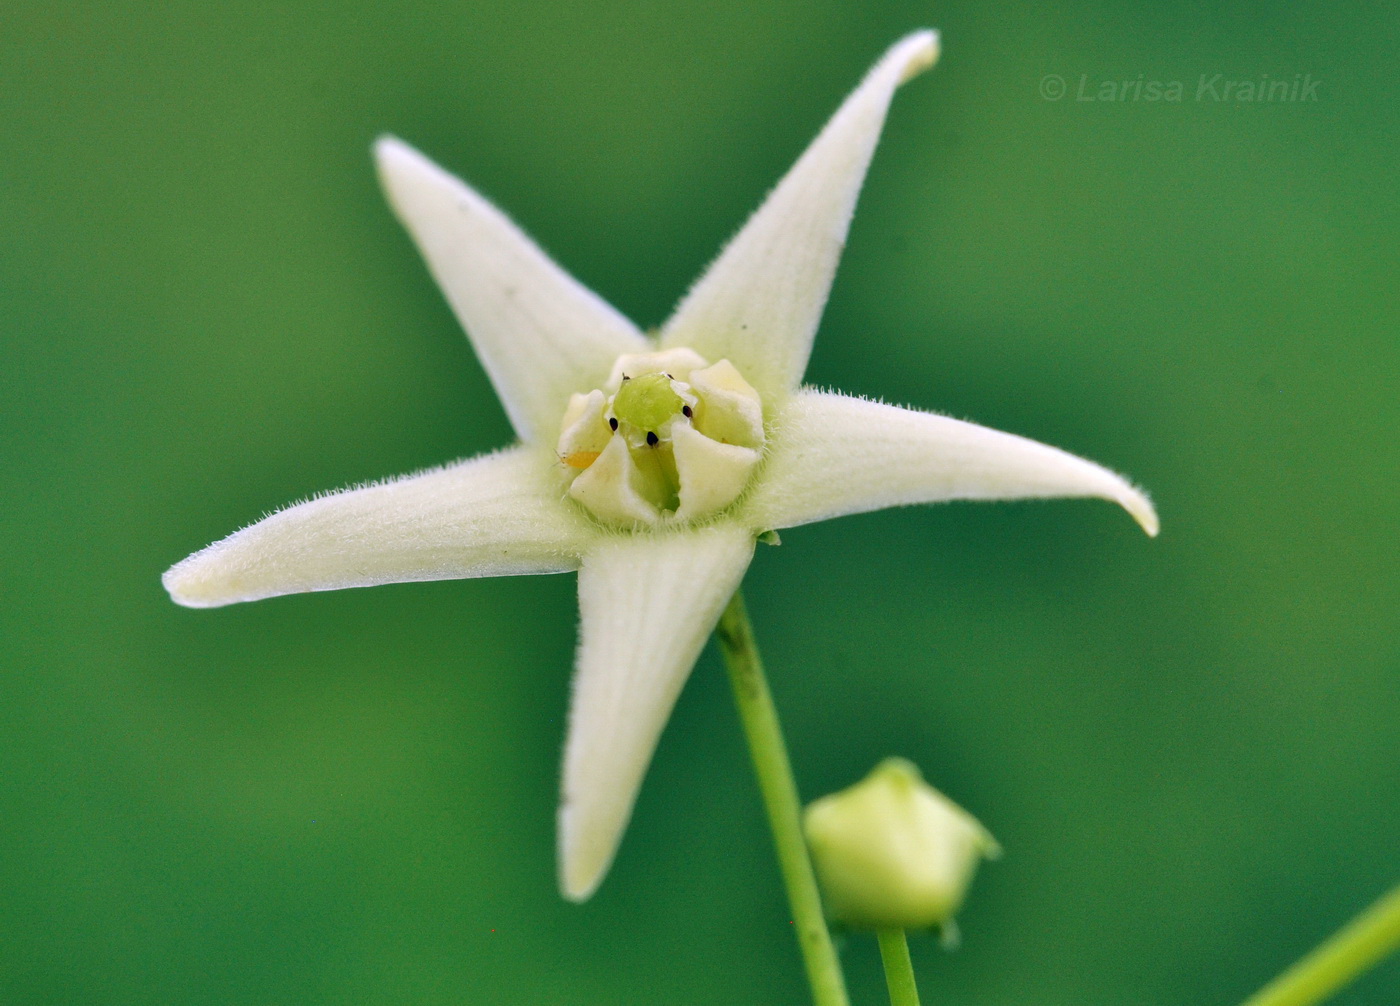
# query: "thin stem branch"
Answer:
x=899 y=969
x=775 y=782
x=1355 y=948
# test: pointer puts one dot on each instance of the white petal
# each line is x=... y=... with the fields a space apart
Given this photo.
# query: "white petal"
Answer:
x=540 y=333
x=490 y=516
x=834 y=455
x=758 y=304
x=647 y=603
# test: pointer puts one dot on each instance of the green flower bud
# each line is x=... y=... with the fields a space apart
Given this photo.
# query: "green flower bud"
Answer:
x=891 y=852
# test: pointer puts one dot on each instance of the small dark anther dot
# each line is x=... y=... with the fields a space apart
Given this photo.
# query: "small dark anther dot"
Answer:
x=613 y=422
x=652 y=439
x=626 y=378
x=672 y=378
x=685 y=411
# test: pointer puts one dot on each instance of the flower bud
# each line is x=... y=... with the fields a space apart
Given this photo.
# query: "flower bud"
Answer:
x=891 y=852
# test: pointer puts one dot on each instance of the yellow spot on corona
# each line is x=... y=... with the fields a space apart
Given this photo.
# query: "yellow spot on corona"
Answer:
x=580 y=459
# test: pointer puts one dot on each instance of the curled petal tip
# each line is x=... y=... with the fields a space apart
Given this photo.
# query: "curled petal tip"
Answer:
x=1140 y=507
x=918 y=52
x=837 y=455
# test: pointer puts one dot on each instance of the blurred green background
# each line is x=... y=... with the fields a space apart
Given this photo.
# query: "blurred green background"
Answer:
x=1188 y=747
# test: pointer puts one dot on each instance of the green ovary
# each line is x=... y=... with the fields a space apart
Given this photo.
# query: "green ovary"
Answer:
x=646 y=402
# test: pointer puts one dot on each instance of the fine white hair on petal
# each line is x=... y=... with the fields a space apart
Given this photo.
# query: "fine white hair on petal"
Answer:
x=832 y=454
x=494 y=515
x=647 y=602
x=758 y=304
x=539 y=333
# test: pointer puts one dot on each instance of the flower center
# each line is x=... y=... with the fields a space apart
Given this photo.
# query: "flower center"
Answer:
x=670 y=437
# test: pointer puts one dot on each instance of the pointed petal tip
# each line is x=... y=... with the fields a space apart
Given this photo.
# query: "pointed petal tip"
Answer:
x=396 y=164
x=393 y=157
x=403 y=170
x=387 y=145
x=917 y=53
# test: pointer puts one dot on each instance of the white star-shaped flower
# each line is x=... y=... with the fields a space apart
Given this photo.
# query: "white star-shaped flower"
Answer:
x=649 y=463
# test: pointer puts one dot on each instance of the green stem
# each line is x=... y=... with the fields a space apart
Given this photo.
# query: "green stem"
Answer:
x=771 y=765
x=1359 y=945
x=899 y=970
